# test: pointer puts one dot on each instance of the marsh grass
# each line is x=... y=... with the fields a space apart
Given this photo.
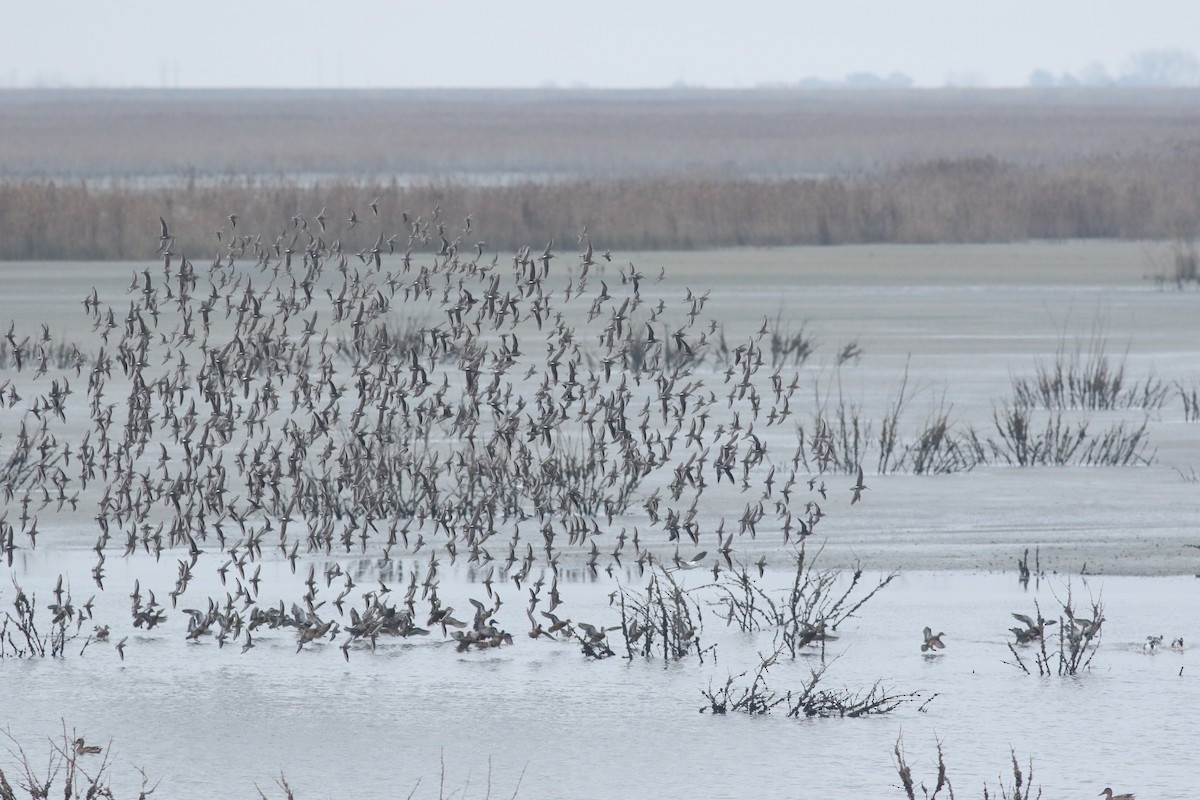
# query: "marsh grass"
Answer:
x=842 y=436
x=1189 y=396
x=992 y=201
x=790 y=348
x=1021 y=787
x=938 y=448
x=840 y=431
x=911 y=167
x=1024 y=442
x=1186 y=261
x=1087 y=378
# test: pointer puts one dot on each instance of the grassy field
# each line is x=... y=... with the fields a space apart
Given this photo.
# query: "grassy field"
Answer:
x=85 y=175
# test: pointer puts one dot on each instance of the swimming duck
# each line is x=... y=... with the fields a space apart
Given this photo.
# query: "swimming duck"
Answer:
x=82 y=749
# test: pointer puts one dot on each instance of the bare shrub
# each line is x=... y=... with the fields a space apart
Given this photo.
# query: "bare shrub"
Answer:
x=20 y=636
x=788 y=347
x=664 y=620
x=1023 y=443
x=1021 y=787
x=1190 y=396
x=1087 y=378
x=809 y=613
x=1185 y=261
x=67 y=764
x=809 y=700
x=1078 y=638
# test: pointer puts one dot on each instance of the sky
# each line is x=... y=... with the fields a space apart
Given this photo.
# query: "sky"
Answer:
x=607 y=44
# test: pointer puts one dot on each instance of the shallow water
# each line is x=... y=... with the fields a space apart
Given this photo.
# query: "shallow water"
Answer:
x=212 y=720
x=216 y=721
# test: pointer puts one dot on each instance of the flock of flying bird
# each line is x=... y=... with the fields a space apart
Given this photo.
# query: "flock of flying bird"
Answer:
x=516 y=415
x=271 y=400
x=411 y=402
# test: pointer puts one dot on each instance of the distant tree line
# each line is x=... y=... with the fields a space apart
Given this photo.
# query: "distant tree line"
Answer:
x=1163 y=67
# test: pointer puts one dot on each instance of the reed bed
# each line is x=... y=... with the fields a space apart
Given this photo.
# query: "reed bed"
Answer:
x=944 y=200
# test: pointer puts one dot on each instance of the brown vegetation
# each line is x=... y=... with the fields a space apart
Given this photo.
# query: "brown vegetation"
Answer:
x=975 y=200
x=86 y=175
x=1022 y=787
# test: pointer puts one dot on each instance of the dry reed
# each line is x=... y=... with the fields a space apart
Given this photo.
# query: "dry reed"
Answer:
x=1021 y=788
x=933 y=202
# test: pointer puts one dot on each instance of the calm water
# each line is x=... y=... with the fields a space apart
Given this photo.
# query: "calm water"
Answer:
x=212 y=721
x=215 y=721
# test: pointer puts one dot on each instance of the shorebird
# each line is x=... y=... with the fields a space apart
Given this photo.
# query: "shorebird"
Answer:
x=858 y=487
x=1033 y=631
x=1108 y=795
x=1024 y=636
x=82 y=749
x=933 y=643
